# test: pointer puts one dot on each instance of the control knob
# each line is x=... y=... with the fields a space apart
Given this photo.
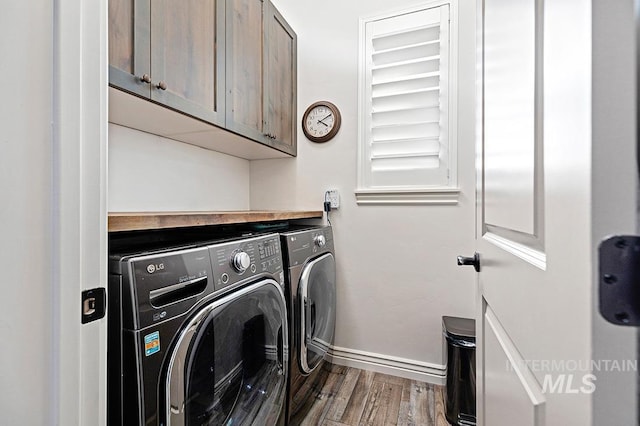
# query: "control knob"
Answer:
x=240 y=261
x=319 y=240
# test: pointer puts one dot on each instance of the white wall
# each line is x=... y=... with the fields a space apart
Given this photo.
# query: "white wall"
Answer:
x=26 y=327
x=397 y=272
x=152 y=173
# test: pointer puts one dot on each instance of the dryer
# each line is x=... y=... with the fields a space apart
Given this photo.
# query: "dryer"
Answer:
x=198 y=335
x=311 y=299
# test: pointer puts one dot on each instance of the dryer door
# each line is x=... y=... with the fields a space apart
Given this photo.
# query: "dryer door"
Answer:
x=318 y=307
x=230 y=361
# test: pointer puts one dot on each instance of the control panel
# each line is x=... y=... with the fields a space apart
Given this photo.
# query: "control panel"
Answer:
x=237 y=261
x=308 y=243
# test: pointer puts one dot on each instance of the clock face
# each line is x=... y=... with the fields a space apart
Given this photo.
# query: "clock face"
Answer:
x=321 y=121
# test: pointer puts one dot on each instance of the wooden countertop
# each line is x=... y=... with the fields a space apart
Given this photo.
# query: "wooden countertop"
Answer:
x=131 y=221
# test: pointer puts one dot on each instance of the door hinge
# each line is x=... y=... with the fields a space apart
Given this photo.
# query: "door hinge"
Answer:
x=619 y=279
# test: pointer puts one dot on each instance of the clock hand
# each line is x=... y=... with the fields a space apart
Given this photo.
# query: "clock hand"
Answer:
x=322 y=121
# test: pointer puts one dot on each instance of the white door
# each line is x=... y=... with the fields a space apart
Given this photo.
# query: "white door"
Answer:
x=556 y=173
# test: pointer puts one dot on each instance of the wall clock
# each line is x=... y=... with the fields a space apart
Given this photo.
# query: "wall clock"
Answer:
x=321 y=121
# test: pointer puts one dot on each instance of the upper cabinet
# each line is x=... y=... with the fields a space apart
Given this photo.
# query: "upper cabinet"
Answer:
x=170 y=51
x=229 y=63
x=261 y=74
x=281 y=81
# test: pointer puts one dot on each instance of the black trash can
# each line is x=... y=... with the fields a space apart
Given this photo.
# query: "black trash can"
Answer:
x=460 y=353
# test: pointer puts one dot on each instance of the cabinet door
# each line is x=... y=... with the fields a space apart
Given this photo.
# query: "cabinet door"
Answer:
x=280 y=82
x=187 y=57
x=245 y=114
x=129 y=45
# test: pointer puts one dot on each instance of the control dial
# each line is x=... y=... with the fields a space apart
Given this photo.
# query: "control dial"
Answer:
x=319 y=240
x=240 y=261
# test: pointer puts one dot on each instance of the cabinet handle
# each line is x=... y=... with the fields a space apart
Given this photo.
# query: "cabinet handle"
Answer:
x=162 y=85
x=146 y=78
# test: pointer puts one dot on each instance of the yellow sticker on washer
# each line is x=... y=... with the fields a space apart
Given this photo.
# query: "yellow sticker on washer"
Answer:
x=151 y=343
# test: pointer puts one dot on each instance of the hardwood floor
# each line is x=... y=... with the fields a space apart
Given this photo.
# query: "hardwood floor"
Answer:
x=353 y=397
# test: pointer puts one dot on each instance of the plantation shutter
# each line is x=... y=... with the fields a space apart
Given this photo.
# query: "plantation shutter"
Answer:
x=406 y=100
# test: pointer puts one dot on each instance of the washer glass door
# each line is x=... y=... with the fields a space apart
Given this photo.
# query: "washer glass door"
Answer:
x=318 y=306
x=230 y=361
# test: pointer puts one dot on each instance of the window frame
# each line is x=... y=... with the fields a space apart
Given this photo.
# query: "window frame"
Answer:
x=409 y=194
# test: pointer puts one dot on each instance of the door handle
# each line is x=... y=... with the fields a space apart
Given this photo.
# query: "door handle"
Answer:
x=313 y=320
x=473 y=261
x=280 y=351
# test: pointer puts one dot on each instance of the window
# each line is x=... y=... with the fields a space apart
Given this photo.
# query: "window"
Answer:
x=407 y=143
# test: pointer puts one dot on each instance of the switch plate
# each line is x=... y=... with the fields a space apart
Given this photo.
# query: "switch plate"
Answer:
x=333 y=197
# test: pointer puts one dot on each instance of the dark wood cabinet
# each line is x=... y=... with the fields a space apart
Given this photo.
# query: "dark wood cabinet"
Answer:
x=261 y=74
x=121 y=40
x=230 y=63
x=281 y=81
x=244 y=60
x=187 y=56
x=171 y=52
x=129 y=46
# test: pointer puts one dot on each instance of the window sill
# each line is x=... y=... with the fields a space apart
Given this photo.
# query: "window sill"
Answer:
x=439 y=196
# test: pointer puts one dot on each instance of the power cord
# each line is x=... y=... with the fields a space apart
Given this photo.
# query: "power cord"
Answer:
x=327 y=206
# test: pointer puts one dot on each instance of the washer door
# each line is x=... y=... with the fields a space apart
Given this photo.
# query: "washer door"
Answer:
x=317 y=290
x=229 y=365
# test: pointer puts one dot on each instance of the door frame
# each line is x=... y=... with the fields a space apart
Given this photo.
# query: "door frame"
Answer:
x=79 y=214
x=614 y=141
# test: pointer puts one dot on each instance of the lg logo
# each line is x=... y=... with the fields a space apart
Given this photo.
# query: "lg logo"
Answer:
x=151 y=268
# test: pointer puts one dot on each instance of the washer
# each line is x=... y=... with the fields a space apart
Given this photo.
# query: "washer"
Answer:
x=311 y=301
x=198 y=335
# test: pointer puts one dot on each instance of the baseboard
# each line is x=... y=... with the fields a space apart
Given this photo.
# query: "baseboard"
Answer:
x=401 y=367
